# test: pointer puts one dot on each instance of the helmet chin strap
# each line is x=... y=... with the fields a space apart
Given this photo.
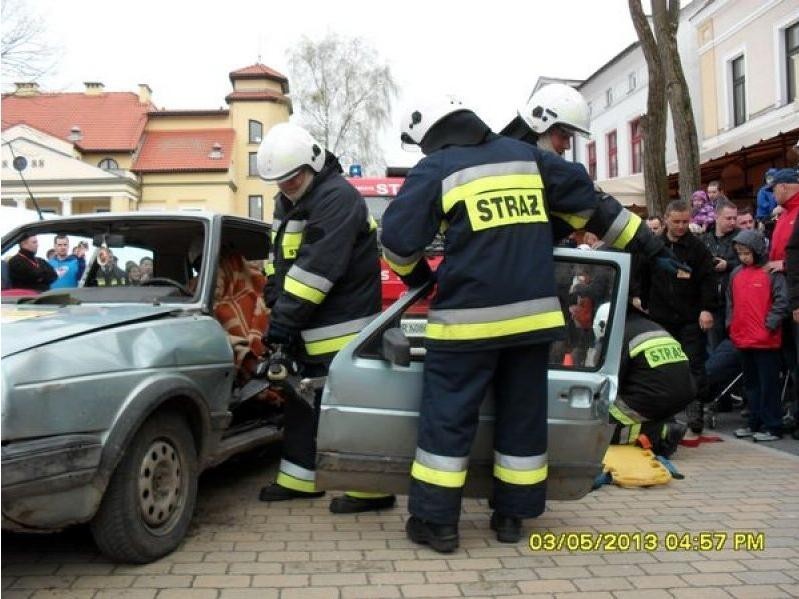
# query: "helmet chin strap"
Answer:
x=306 y=183
x=545 y=142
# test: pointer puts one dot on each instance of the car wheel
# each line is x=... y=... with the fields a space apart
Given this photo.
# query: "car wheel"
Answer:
x=149 y=502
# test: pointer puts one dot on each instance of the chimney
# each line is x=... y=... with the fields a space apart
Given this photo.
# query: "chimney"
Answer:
x=93 y=88
x=216 y=151
x=145 y=94
x=75 y=134
x=27 y=88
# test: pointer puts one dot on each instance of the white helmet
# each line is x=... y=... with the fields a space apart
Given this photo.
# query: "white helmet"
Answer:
x=422 y=115
x=557 y=104
x=285 y=149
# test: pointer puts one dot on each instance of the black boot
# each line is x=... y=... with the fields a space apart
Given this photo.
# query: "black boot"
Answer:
x=508 y=528
x=441 y=537
x=276 y=492
x=347 y=504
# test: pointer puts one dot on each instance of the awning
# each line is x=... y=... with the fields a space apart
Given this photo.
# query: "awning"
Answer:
x=627 y=190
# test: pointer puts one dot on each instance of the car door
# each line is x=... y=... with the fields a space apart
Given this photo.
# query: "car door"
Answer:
x=368 y=422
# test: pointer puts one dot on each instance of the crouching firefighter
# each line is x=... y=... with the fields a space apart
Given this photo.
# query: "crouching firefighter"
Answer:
x=323 y=287
x=549 y=120
x=655 y=384
x=494 y=314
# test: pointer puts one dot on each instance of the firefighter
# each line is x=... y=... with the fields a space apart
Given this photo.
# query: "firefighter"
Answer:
x=323 y=287
x=494 y=314
x=552 y=116
x=655 y=384
x=549 y=120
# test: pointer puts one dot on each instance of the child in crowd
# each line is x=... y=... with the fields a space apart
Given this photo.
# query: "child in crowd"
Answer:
x=702 y=212
x=757 y=303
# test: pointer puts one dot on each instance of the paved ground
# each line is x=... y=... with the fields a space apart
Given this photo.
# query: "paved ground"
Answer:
x=239 y=548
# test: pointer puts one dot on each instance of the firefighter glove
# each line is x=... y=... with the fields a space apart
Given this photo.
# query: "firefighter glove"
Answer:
x=279 y=334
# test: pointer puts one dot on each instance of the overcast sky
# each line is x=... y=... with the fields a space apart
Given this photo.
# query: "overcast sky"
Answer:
x=489 y=53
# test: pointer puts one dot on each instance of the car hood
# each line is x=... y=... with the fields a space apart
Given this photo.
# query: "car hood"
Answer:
x=28 y=326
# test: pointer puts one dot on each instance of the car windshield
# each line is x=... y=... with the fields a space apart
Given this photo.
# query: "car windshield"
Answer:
x=124 y=260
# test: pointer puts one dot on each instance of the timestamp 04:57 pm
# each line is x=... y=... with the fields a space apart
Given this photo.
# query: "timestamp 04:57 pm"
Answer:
x=647 y=541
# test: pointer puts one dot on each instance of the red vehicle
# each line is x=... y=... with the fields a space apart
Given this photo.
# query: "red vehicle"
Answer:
x=378 y=193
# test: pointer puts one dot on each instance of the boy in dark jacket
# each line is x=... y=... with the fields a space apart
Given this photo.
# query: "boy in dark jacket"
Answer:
x=757 y=303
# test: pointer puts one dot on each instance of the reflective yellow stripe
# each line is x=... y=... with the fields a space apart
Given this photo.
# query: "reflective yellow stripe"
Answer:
x=628 y=232
x=497 y=328
x=400 y=269
x=657 y=341
x=270 y=269
x=620 y=416
x=520 y=477
x=291 y=244
x=303 y=291
x=328 y=346
x=372 y=223
x=288 y=481
x=575 y=221
x=496 y=183
x=365 y=495
x=440 y=478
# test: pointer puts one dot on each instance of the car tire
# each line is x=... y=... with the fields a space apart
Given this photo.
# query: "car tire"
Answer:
x=149 y=501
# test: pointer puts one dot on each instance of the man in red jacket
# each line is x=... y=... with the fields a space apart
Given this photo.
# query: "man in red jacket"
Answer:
x=786 y=191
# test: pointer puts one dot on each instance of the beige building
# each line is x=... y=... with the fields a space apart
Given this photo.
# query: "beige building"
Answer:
x=100 y=151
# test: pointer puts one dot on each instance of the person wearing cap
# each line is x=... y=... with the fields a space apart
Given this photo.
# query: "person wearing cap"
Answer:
x=757 y=303
x=785 y=186
x=766 y=203
x=26 y=270
x=323 y=287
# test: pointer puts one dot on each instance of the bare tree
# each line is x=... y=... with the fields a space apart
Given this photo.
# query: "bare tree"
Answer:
x=26 y=52
x=666 y=22
x=344 y=93
x=653 y=123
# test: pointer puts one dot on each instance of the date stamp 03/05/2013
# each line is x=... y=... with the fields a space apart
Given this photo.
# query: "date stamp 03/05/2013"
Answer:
x=647 y=541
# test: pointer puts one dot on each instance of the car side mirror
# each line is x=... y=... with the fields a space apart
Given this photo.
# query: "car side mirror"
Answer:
x=396 y=347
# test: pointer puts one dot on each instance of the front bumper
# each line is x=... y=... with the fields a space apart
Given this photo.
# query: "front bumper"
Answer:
x=48 y=483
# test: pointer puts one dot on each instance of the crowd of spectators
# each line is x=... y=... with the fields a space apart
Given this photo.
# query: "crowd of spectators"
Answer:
x=62 y=269
x=734 y=316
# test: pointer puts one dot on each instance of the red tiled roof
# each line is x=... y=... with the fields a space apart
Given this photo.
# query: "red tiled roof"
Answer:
x=108 y=121
x=257 y=71
x=262 y=95
x=184 y=150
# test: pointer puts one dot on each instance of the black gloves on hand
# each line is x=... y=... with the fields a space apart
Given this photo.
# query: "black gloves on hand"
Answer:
x=656 y=251
x=279 y=334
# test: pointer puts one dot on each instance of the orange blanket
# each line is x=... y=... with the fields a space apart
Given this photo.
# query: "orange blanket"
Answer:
x=240 y=309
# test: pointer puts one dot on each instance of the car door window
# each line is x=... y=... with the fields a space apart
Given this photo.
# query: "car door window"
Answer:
x=585 y=290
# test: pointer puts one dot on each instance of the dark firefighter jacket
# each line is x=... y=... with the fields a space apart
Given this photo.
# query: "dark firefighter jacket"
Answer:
x=675 y=299
x=654 y=379
x=324 y=274
x=492 y=201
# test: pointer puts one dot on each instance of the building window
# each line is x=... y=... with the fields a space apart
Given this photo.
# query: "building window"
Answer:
x=253 y=172
x=255 y=207
x=613 y=159
x=108 y=164
x=791 y=56
x=609 y=96
x=738 y=91
x=256 y=132
x=636 y=146
x=591 y=151
x=632 y=82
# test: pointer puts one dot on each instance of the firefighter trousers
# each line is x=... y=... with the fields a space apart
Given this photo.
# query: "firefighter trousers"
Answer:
x=300 y=425
x=455 y=384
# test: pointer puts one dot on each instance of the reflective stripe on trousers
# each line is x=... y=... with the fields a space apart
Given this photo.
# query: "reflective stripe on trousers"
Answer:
x=293 y=476
x=455 y=384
